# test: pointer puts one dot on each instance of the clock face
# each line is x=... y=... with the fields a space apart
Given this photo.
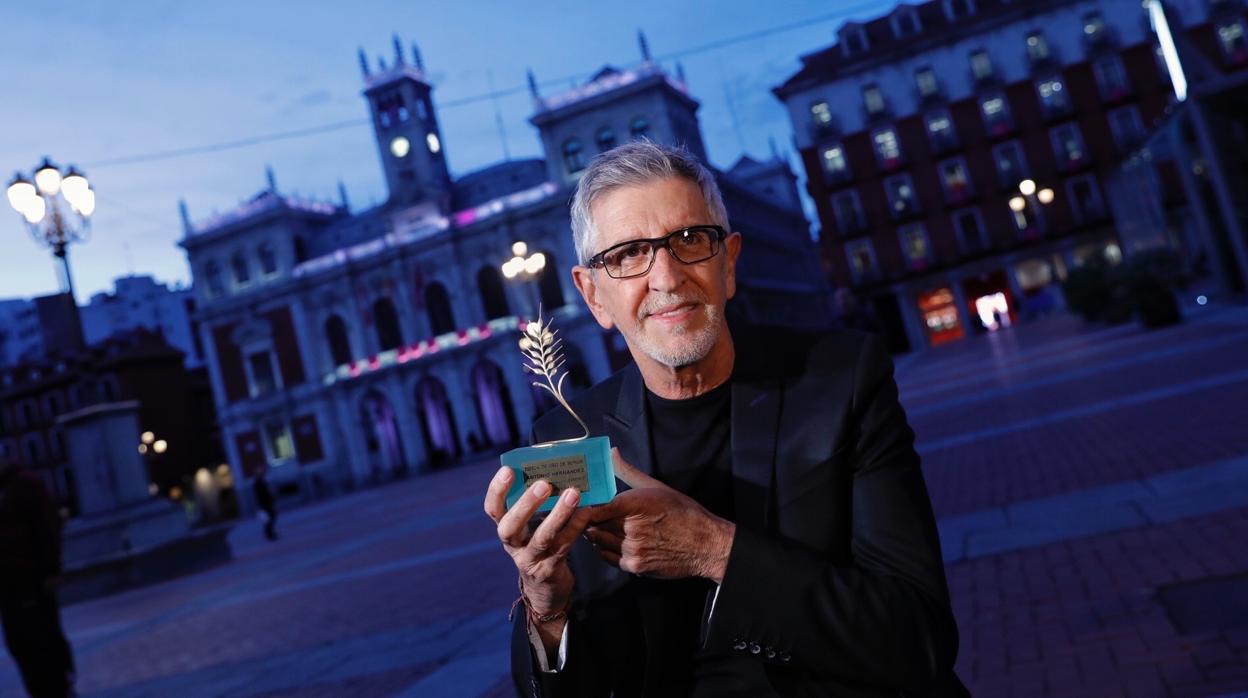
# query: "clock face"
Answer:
x=400 y=146
x=432 y=141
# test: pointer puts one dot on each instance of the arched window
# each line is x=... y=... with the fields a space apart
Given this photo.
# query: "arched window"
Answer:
x=336 y=337
x=438 y=305
x=549 y=288
x=268 y=260
x=639 y=127
x=238 y=263
x=493 y=296
x=387 y=321
x=301 y=250
x=605 y=138
x=573 y=155
x=212 y=274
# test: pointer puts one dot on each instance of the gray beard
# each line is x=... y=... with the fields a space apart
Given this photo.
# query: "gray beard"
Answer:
x=696 y=344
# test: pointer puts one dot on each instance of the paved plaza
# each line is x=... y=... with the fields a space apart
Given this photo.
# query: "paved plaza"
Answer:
x=1091 y=485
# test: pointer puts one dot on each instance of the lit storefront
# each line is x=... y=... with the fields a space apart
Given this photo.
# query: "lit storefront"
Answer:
x=940 y=316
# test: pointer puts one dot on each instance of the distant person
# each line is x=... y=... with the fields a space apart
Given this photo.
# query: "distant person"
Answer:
x=266 y=502
x=30 y=568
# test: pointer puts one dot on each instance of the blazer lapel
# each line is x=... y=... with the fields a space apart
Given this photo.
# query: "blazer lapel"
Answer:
x=627 y=427
x=756 y=401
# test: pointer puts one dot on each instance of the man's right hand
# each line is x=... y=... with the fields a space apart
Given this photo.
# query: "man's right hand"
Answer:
x=540 y=555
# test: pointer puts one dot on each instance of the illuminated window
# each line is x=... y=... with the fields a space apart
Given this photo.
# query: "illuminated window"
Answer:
x=861 y=259
x=573 y=155
x=1068 y=146
x=1126 y=126
x=887 y=148
x=1234 y=45
x=996 y=112
x=848 y=213
x=914 y=245
x=1011 y=164
x=821 y=114
x=277 y=438
x=902 y=200
x=940 y=131
x=1053 y=98
x=1037 y=47
x=925 y=82
x=872 y=99
x=981 y=65
x=955 y=180
x=834 y=163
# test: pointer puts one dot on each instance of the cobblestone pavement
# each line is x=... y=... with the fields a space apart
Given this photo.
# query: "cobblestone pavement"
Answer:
x=1082 y=477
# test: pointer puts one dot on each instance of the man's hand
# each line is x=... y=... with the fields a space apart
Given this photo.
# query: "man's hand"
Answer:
x=540 y=556
x=655 y=531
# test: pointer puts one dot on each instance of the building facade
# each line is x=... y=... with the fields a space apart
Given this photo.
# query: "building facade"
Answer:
x=958 y=151
x=353 y=347
x=139 y=301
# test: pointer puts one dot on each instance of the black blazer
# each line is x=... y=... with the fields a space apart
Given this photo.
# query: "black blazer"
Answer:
x=835 y=581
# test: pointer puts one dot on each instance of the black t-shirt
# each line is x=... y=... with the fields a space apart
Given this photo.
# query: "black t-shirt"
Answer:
x=691 y=442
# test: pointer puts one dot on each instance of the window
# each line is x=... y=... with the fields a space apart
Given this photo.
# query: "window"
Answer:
x=1093 y=27
x=905 y=23
x=940 y=131
x=914 y=245
x=853 y=40
x=438 y=305
x=1011 y=164
x=212 y=274
x=573 y=155
x=872 y=99
x=263 y=380
x=242 y=275
x=639 y=127
x=902 y=200
x=1026 y=221
x=970 y=230
x=821 y=115
x=386 y=319
x=336 y=338
x=1110 y=78
x=1085 y=199
x=605 y=139
x=981 y=65
x=997 y=118
x=957 y=9
x=1234 y=45
x=301 y=250
x=861 y=259
x=1037 y=47
x=925 y=82
x=834 y=163
x=848 y=213
x=268 y=260
x=1125 y=125
x=955 y=180
x=887 y=149
x=1068 y=146
x=277 y=437
x=493 y=294
x=1053 y=97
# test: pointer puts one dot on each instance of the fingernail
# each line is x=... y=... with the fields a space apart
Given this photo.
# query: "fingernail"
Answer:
x=502 y=471
x=541 y=489
x=569 y=495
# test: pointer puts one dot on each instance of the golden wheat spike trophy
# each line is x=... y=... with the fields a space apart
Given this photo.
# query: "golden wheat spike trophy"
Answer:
x=583 y=462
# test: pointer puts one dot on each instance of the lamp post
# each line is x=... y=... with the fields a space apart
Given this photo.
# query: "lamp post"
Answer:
x=1029 y=195
x=57 y=208
x=527 y=268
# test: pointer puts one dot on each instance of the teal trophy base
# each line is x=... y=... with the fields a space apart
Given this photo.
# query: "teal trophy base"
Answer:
x=585 y=465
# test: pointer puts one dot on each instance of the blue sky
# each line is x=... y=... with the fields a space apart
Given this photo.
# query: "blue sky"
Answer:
x=97 y=83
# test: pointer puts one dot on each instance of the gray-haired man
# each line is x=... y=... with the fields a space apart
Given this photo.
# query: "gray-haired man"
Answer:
x=777 y=537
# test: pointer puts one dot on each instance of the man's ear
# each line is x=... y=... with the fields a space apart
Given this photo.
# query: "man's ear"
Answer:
x=585 y=282
x=732 y=248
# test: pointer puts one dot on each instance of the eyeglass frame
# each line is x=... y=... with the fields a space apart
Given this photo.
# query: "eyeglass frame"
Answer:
x=598 y=261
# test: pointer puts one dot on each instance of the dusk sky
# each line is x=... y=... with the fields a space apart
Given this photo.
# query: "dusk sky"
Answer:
x=108 y=86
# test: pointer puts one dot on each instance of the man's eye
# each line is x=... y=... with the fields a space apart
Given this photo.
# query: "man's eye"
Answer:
x=633 y=251
x=691 y=238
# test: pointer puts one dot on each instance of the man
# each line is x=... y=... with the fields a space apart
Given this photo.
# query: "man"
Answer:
x=265 y=502
x=30 y=562
x=776 y=537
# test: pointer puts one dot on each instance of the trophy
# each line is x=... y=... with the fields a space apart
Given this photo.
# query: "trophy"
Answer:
x=583 y=462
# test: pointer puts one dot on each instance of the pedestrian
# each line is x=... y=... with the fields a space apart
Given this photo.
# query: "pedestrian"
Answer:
x=266 y=502
x=30 y=568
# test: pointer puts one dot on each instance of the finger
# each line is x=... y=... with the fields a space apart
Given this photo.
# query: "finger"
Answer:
x=566 y=538
x=544 y=537
x=610 y=557
x=513 y=527
x=631 y=476
x=604 y=540
x=496 y=493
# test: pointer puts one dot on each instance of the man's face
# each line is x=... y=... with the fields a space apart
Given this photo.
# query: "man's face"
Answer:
x=674 y=314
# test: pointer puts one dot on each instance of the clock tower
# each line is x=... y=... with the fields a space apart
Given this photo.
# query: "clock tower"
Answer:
x=406 y=128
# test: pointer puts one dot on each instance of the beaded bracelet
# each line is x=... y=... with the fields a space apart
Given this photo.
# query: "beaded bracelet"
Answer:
x=534 y=617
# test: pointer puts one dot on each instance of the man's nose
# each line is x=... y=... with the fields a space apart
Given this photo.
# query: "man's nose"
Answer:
x=667 y=273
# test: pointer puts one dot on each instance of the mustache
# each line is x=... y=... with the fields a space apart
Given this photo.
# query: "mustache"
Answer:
x=655 y=302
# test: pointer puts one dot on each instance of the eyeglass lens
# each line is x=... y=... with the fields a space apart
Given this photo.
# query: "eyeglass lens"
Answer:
x=634 y=258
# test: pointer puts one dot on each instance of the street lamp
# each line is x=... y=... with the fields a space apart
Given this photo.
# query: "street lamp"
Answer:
x=1029 y=195
x=525 y=267
x=57 y=208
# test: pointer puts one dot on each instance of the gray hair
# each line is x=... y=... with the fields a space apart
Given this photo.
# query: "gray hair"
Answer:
x=638 y=162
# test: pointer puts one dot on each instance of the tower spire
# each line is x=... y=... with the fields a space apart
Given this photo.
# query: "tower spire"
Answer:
x=532 y=84
x=186 y=217
x=268 y=174
x=398 y=51
x=416 y=58
x=645 y=46
x=680 y=72
x=363 y=63
x=342 y=196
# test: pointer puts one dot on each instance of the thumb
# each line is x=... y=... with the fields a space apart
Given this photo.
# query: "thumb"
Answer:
x=631 y=476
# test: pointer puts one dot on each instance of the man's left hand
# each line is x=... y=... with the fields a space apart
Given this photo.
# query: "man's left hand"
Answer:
x=655 y=531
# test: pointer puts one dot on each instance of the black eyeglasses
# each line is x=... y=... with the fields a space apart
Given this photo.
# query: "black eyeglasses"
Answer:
x=635 y=257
